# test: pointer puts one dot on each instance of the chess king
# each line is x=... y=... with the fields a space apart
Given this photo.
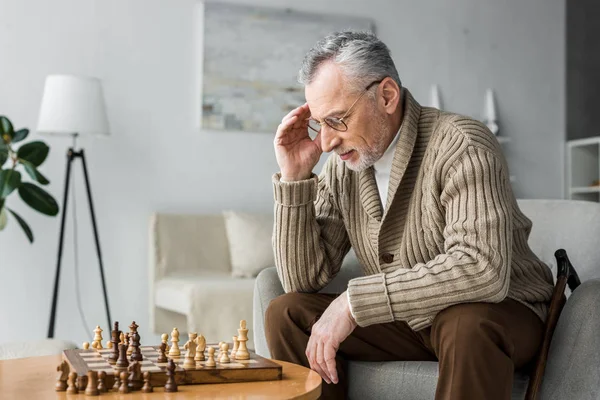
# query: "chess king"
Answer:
x=424 y=198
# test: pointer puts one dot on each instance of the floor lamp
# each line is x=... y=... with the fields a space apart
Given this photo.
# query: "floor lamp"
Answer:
x=73 y=106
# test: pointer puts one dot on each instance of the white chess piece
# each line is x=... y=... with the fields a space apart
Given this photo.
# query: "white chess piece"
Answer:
x=235 y=347
x=190 y=346
x=97 y=338
x=165 y=339
x=201 y=341
x=174 y=351
x=224 y=354
x=211 y=358
x=242 y=351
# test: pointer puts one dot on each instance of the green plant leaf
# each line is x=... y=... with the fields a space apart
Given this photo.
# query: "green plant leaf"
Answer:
x=9 y=181
x=34 y=152
x=6 y=129
x=23 y=224
x=20 y=135
x=38 y=199
x=3 y=155
x=3 y=218
x=34 y=173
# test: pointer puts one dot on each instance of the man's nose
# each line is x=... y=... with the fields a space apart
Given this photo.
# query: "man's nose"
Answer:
x=329 y=138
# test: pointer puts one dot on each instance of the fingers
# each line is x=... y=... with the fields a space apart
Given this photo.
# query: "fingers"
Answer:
x=298 y=111
x=329 y=355
x=311 y=354
x=320 y=361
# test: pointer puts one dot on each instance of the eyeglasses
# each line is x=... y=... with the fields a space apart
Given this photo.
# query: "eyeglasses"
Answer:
x=338 y=123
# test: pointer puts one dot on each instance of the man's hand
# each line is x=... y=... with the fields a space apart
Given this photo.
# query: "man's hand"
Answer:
x=296 y=153
x=334 y=326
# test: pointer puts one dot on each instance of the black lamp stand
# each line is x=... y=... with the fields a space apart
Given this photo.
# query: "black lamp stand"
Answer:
x=72 y=154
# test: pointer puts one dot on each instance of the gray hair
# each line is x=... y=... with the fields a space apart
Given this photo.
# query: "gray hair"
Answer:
x=362 y=57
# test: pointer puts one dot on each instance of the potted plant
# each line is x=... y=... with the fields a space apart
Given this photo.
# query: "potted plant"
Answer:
x=28 y=157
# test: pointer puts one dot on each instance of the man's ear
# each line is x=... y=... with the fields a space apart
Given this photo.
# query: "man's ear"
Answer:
x=390 y=95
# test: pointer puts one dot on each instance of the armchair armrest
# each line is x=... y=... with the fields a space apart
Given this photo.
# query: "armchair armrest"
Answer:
x=268 y=286
x=573 y=364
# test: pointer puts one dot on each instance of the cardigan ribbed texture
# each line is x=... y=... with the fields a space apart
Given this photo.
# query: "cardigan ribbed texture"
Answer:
x=451 y=223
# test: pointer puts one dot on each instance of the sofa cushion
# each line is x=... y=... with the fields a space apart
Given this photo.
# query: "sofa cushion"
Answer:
x=413 y=380
x=250 y=238
x=213 y=303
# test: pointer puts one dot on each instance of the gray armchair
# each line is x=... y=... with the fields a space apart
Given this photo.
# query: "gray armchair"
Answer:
x=573 y=367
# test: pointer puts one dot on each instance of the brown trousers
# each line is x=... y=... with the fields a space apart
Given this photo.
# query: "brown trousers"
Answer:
x=478 y=345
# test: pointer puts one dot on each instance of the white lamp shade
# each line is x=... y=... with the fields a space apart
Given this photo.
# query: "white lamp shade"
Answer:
x=73 y=104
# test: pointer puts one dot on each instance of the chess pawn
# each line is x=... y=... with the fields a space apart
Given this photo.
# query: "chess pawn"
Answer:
x=117 y=383
x=165 y=339
x=242 y=351
x=129 y=340
x=147 y=388
x=211 y=358
x=109 y=344
x=92 y=385
x=72 y=381
x=62 y=376
x=102 y=382
x=235 y=347
x=82 y=382
x=135 y=375
x=86 y=345
x=224 y=354
x=123 y=388
x=122 y=338
x=201 y=341
x=162 y=357
x=174 y=351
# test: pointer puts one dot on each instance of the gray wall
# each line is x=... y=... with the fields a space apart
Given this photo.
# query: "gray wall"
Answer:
x=146 y=53
x=583 y=68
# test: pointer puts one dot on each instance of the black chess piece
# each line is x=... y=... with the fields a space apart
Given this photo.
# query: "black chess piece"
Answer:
x=82 y=382
x=147 y=388
x=116 y=333
x=124 y=388
x=136 y=353
x=102 y=382
x=122 y=362
x=135 y=376
x=162 y=358
x=171 y=386
x=117 y=383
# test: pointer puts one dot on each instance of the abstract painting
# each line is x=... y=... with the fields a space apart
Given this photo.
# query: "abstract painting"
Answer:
x=251 y=60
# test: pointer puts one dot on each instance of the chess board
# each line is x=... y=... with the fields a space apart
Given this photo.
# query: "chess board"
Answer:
x=257 y=368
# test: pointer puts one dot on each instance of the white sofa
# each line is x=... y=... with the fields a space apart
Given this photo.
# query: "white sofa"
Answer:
x=191 y=282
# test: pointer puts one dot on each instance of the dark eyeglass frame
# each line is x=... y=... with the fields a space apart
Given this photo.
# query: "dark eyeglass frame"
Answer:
x=331 y=121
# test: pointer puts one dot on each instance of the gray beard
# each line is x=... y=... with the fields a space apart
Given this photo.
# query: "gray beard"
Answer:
x=367 y=156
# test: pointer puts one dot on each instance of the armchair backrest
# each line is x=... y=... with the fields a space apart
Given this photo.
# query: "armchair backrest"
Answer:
x=568 y=224
x=187 y=243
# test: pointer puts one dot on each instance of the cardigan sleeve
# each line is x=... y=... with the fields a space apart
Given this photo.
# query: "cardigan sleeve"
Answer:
x=475 y=264
x=309 y=236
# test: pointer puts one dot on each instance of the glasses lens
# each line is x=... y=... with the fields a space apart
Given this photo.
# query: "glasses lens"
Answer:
x=314 y=125
x=336 y=123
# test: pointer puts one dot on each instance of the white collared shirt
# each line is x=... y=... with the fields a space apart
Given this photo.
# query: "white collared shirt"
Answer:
x=383 y=169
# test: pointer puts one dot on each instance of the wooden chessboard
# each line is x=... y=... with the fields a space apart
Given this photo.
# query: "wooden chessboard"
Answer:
x=257 y=368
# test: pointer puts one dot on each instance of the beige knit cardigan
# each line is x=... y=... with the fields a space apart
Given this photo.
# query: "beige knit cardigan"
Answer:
x=451 y=232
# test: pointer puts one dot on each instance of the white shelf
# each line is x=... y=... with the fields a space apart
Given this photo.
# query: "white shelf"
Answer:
x=583 y=169
x=581 y=190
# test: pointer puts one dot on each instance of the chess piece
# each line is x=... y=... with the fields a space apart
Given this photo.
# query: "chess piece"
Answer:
x=97 y=338
x=72 y=381
x=147 y=388
x=165 y=339
x=109 y=344
x=171 y=385
x=128 y=341
x=82 y=382
x=114 y=355
x=174 y=351
x=86 y=345
x=220 y=350
x=201 y=341
x=122 y=362
x=117 y=383
x=61 y=377
x=211 y=358
x=190 y=346
x=162 y=357
x=123 y=388
x=136 y=354
x=135 y=375
x=242 y=351
x=122 y=338
x=224 y=353
x=235 y=347
x=92 y=385
x=102 y=382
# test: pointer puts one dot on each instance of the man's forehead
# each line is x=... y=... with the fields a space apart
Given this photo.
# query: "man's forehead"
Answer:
x=326 y=93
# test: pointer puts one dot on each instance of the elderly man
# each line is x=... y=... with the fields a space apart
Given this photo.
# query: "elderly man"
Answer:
x=424 y=199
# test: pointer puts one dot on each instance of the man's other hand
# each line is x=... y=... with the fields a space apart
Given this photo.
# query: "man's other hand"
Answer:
x=332 y=328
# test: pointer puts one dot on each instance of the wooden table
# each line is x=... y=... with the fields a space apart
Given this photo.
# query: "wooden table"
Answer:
x=35 y=377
